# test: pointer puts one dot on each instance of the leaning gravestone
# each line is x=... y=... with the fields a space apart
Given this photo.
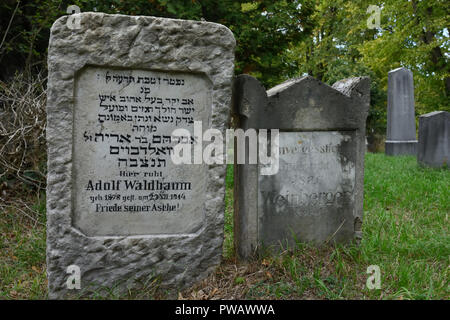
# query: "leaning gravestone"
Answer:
x=434 y=139
x=401 y=124
x=317 y=194
x=117 y=207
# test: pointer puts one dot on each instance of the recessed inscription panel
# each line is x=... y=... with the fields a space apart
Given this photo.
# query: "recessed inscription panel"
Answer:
x=312 y=191
x=124 y=180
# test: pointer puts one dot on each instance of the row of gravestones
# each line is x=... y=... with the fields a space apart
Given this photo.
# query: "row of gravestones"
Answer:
x=433 y=147
x=120 y=211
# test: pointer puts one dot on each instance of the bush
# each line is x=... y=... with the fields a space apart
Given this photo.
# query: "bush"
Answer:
x=22 y=131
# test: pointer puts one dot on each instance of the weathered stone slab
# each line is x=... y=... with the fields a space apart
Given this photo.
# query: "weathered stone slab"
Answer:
x=401 y=125
x=317 y=194
x=122 y=141
x=117 y=206
x=313 y=187
x=434 y=139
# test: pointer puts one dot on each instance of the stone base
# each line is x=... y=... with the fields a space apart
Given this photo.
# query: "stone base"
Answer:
x=437 y=165
x=398 y=148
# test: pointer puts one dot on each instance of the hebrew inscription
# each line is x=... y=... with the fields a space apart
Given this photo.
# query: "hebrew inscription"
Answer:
x=124 y=180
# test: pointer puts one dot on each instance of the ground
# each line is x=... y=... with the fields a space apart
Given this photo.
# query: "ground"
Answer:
x=405 y=233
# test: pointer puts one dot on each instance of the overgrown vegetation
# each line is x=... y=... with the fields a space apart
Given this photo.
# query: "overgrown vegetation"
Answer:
x=22 y=134
x=405 y=233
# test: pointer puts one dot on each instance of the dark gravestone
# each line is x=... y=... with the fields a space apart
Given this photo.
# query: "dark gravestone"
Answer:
x=401 y=125
x=434 y=139
x=317 y=194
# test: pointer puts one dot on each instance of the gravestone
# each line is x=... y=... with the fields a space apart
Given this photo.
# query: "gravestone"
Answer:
x=118 y=208
x=317 y=194
x=401 y=124
x=434 y=139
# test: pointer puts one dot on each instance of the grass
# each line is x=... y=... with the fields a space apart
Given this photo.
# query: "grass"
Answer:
x=406 y=227
x=405 y=233
x=228 y=246
x=22 y=252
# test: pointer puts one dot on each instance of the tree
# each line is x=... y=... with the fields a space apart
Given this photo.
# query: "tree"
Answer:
x=413 y=34
x=263 y=29
x=277 y=40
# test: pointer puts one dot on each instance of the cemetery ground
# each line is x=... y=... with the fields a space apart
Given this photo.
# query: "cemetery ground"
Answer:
x=405 y=233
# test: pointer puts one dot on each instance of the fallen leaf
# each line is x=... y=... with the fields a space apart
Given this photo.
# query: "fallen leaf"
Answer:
x=34 y=268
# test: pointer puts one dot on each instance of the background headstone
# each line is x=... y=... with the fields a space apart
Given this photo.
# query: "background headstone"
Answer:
x=117 y=207
x=401 y=124
x=434 y=139
x=317 y=194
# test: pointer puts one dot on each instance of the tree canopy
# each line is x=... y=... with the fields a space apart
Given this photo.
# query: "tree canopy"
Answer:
x=277 y=40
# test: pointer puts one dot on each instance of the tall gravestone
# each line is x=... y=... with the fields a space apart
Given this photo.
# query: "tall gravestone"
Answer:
x=434 y=139
x=317 y=194
x=118 y=208
x=401 y=124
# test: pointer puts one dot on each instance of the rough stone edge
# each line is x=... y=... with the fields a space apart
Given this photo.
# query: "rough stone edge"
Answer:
x=135 y=257
x=248 y=92
x=358 y=88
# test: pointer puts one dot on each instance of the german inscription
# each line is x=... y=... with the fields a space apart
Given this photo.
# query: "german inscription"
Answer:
x=315 y=184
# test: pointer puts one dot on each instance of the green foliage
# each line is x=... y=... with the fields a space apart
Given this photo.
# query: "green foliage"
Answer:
x=263 y=29
x=277 y=40
x=24 y=32
x=413 y=34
